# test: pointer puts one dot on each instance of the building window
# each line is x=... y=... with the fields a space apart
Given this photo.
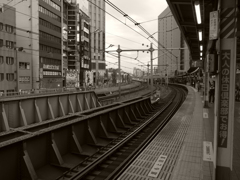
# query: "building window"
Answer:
x=49 y=49
x=1 y=10
x=1 y=26
x=1 y=59
x=49 y=25
x=9 y=60
x=1 y=76
x=49 y=37
x=1 y=42
x=49 y=13
x=10 y=92
x=9 y=28
x=53 y=4
x=24 y=65
x=9 y=44
x=10 y=76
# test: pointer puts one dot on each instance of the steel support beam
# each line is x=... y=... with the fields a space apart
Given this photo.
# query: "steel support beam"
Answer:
x=37 y=109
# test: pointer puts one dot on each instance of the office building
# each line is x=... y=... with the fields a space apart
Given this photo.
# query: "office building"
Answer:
x=50 y=56
x=97 y=33
x=175 y=58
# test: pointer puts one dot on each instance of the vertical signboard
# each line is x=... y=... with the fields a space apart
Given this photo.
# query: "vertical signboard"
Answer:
x=213 y=25
x=224 y=98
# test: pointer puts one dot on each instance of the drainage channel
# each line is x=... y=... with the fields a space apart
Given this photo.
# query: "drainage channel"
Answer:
x=110 y=160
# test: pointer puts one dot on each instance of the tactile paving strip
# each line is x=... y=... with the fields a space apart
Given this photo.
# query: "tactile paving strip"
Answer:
x=168 y=142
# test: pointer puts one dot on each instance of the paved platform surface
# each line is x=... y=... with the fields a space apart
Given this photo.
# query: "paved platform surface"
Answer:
x=180 y=151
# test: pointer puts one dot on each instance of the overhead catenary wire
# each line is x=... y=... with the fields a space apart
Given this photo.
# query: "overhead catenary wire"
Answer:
x=28 y=31
x=88 y=0
x=124 y=38
x=13 y=5
x=137 y=24
x=121 y=59
x=116 y=65
x=156 y=19
x=116 y=18
x=116 y=55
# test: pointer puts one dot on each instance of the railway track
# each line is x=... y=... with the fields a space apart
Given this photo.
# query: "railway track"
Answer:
x=81 y=145
x=109 y=161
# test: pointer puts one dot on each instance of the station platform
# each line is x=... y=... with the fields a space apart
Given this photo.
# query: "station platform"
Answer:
x=183 y=149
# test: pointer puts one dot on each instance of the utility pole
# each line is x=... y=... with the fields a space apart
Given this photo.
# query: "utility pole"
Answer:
x=148 y=74
x=119 y=71
x=151 y=57
x=120 y=50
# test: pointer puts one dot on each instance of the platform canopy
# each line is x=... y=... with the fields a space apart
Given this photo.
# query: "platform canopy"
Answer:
x=185 y=16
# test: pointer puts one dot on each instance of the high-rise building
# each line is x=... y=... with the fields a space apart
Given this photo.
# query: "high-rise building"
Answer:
x=175 y=58
x=84 y=46
x=76 y=43
x=97 y=33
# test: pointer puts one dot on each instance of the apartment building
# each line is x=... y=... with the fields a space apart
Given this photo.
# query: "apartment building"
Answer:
x=15 y=62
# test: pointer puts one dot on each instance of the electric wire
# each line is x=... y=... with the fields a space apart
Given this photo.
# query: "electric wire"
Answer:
x=137 y=24
x=116 y=55
x=124 y=38
x=90 y=2
x=156 y=19
x=28 y=31
x=121 y=59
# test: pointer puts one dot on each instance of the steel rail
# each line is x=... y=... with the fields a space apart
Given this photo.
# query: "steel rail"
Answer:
x=119 y=170
x=78 y=175
x=122 y=139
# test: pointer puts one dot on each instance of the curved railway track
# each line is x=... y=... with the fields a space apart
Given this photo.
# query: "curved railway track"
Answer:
x=109 y=161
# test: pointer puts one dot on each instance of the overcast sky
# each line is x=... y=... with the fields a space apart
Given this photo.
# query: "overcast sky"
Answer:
x=119 y=34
